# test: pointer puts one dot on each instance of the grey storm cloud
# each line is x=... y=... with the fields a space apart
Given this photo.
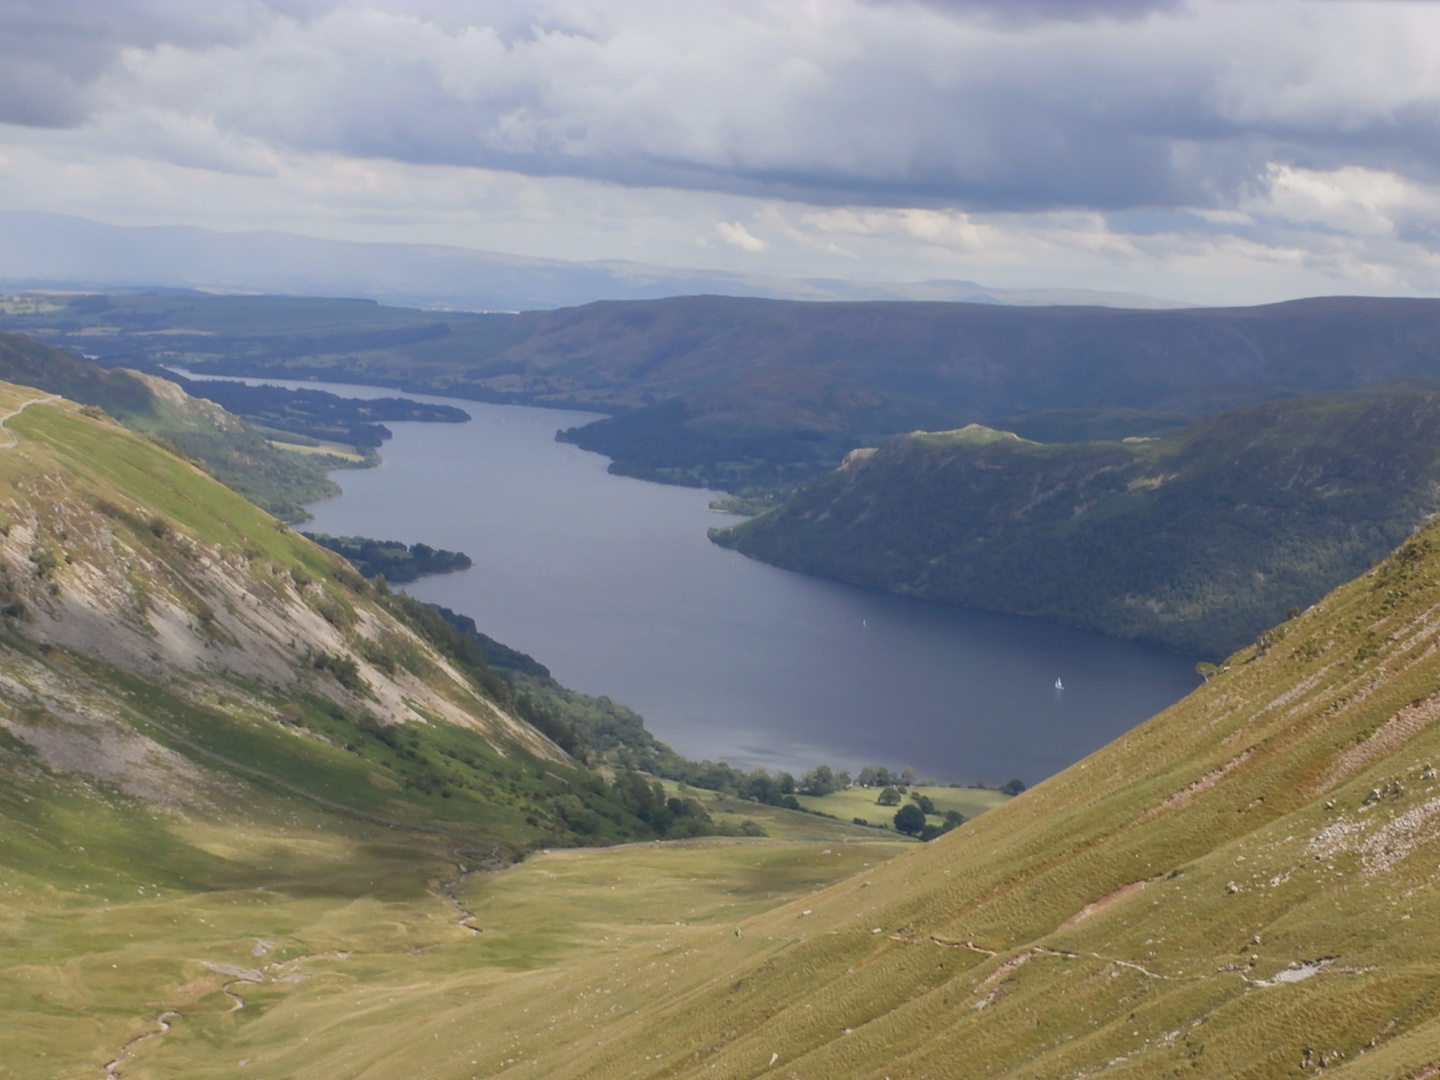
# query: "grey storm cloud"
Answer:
x=52 y=51
x=1022 y=105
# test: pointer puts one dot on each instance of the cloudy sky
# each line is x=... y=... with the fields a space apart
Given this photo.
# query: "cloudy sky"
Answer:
x=1231 y=152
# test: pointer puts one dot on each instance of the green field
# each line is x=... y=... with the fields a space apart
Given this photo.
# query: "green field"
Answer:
x=338 y=937
x=860 y=802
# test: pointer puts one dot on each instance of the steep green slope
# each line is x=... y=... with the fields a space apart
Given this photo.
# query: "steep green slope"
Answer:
x=1244 y=886
x=1196 y=542
x=205 y=626
x=233 y=450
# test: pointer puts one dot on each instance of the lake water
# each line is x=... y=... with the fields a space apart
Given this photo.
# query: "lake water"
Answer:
x=612 y=583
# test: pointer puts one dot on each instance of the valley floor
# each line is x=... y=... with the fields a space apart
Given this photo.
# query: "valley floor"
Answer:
x=280 y=941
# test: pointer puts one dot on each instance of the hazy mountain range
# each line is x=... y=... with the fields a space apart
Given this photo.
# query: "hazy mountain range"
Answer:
x=59 y=251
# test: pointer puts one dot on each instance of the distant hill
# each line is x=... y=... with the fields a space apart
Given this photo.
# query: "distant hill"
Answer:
x=1197 y=541
x=760 y=391
x=736 y=392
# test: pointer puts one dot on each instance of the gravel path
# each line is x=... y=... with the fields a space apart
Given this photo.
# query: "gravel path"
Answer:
x=15 y=439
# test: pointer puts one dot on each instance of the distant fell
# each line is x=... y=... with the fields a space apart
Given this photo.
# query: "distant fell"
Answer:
x=735 y=392
x=1197 y=541
x=787 y=383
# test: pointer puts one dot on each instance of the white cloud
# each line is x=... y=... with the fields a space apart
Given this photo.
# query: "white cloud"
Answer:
x=1203 y=150
x=732 y=232
x=835 y=101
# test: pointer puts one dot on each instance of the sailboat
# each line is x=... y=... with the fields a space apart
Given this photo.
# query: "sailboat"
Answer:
x=1059 y=685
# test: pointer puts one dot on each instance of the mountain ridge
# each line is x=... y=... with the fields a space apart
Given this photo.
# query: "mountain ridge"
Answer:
x=733 y=392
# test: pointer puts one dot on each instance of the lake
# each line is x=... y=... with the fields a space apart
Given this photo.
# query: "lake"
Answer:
x=612 y=583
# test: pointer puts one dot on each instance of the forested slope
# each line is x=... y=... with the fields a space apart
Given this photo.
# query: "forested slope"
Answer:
x=1197 y=541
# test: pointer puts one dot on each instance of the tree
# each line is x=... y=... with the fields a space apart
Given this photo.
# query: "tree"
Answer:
x=888 y=797
x=924 y=802
x=909 y=819
x=822 y=780
x=1013 y=786
x=874 y=776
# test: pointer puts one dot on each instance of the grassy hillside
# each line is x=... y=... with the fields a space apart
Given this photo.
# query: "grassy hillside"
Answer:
x=234 y=451
x=207 y=627
x=736 y=392
x=1244 y=886
x=230 y=767
x=1197 y=541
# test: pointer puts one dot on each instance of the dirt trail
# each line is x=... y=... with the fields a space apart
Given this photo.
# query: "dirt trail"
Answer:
x=482 y=860
x=15 y=439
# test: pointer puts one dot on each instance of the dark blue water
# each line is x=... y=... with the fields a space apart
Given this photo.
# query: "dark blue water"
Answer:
x=612 y=583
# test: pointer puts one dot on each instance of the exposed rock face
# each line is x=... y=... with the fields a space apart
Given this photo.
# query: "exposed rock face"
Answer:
x=88 y=572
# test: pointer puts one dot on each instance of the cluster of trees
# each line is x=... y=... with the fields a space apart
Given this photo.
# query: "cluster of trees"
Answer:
x=911 y=819
x=879 y=776
x=675 y=816
x=391 y=558
x=822 y=780
x=758 y=785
